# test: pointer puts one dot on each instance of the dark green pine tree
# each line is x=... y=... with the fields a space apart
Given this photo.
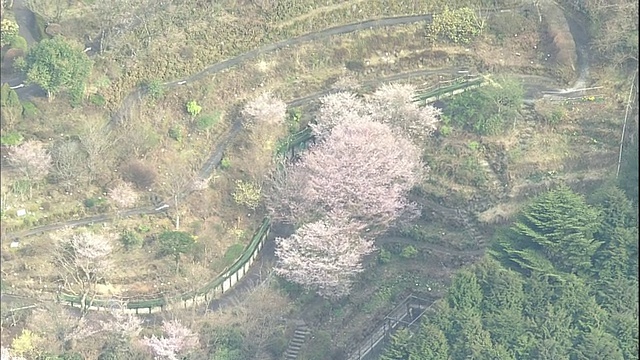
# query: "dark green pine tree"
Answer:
x=465 y=292
x=596 y=345
x=398 y=349
x=623 y=325
x=618 y=233
x=558 y=226
x=429 y=344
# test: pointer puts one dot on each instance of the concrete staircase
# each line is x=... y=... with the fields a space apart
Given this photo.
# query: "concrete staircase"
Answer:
x=296 y=343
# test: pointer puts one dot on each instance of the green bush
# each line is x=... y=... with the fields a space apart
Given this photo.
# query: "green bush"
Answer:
x=155 y=90
x=11 y=138
x=225 y=163
x=207 y=121
x=486 y=110
x=459 y=26
x=473 y=145
x=97 y=100
x=277 y=346
x=95 y=202
x=233 y=252
x=8 y=30
x=131 y=240
x=409 y=252
x=445 y=130
x=29 y=110
x=384 y=257
x=18 y=42
x=319 y=347
x=293 y=119
x=193 y=108
x=175 y=132
x=143 y=229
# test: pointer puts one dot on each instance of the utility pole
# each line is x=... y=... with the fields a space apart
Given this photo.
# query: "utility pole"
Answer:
x=624 y=125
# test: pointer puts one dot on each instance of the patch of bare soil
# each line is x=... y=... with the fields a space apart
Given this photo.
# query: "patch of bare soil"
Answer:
x=560 y=40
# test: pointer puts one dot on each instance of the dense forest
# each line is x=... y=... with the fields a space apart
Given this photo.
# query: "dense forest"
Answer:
x=560 y=283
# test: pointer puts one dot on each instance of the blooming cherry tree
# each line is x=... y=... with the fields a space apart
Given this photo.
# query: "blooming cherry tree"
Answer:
x=350 y=186
x=266 y=108
x=324 y=256
x=123 y=195
x=362 y=169
x=84 y=259
x=393 y=104
x=32 y=159
x=178 y=339
x=337 y=108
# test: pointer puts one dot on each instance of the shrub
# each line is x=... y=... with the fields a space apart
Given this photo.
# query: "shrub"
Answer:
x=459 y=26
x=11 y=138
x=95 y=202
x=29 y=110
x=486 y=110
x=175 y=132
x=18 y=42
x=131 y=240
x=247 y=194
x=225 y=163
x=97 y=100
x=409 y=252
x=384 y=256
x=207 y=121
x=277 y=346
x=445 y=130
x=193 y=108
x=155 y=89
x=143 y=229
x=8 y=31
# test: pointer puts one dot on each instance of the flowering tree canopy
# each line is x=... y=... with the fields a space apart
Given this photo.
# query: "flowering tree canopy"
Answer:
x=362 y=170
x=31 y=158
x=350 y=186
x=178 y=339
x=265 y=109
x=323 y=255
x=123 y=195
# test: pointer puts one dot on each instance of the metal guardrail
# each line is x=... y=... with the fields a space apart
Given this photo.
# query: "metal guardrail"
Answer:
x=404 y=315
x=220 y=285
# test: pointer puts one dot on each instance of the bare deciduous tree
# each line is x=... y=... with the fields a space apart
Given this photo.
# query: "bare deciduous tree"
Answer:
x=123 y=195
x=96 y=142
x=83 y=259
x=323 y=256
x=178 y=339
x=175 y=183
x=70 y=162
